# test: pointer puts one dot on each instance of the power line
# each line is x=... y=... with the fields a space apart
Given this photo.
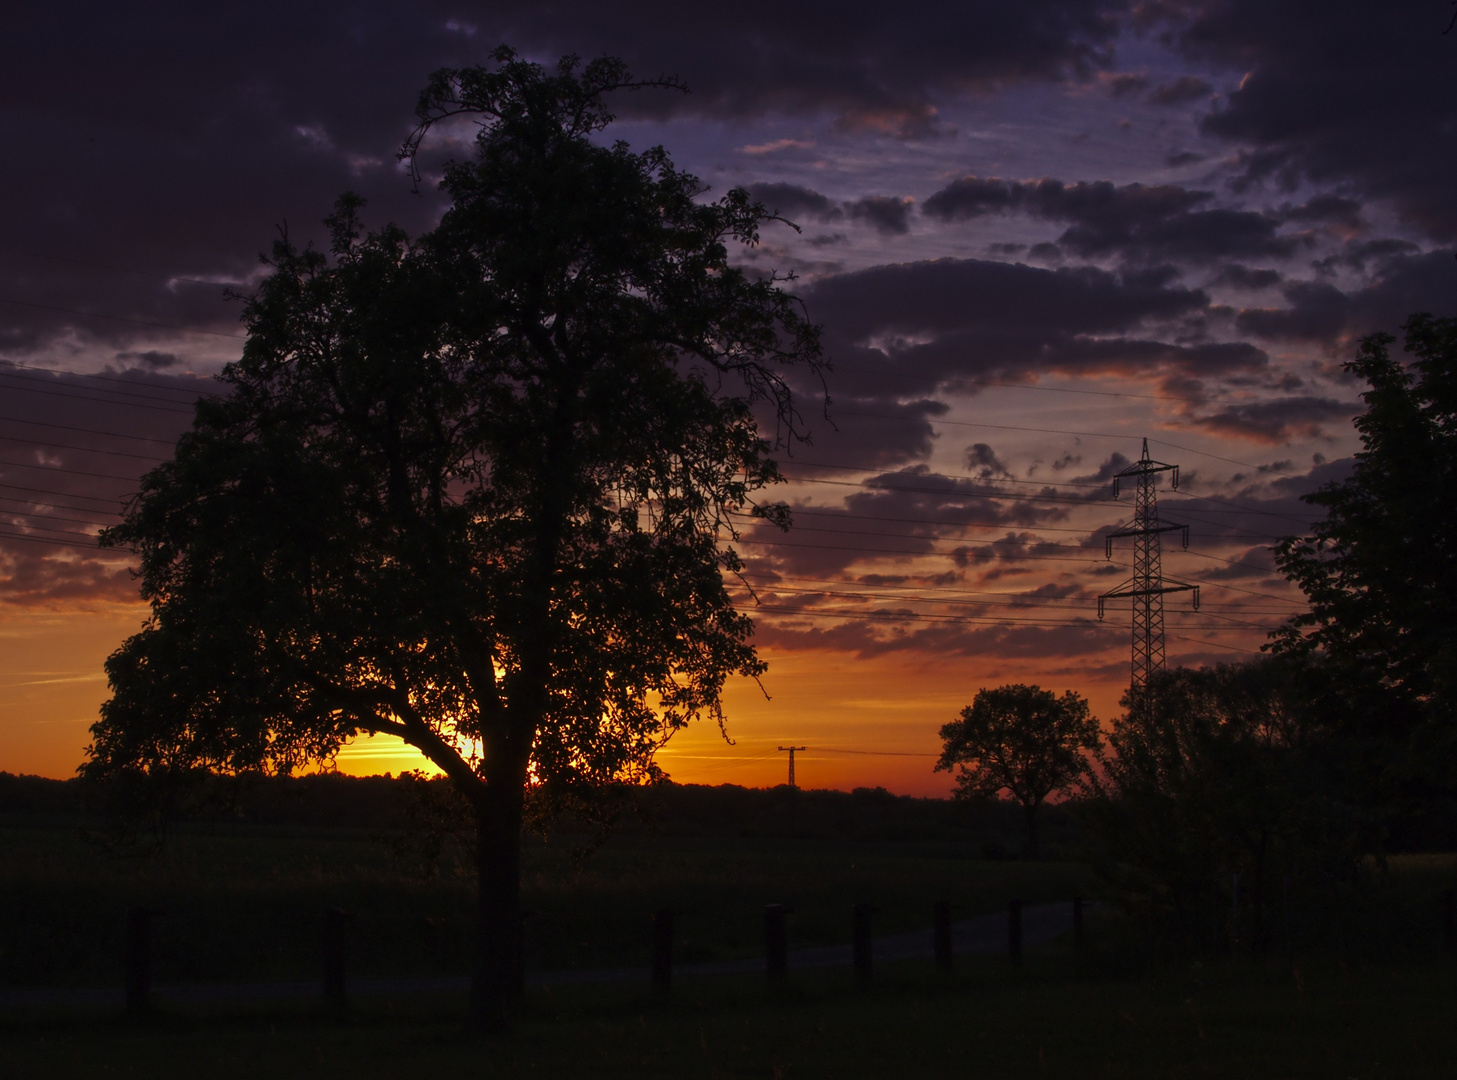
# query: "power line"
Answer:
x=996 y=494
x=188 y=395
x=118 y=318
x=68 y=471
x=903 y=373
x=115 y=269
x=901 y=551
x=61 y=495
x=1008 y=600
x=83 y=449
x=990 y=493
x=87 y=431
x=51 y=378
x=852 y=515
x=96 y=400
x=47 y=517
x=45 y=540
x=1080 y=434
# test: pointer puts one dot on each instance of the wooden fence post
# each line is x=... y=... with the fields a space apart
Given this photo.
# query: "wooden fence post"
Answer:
x=1078 y=934
x=944 y=959
x=518 y=973
x=1014 y=932
x=334 y=950
x=662 y=951
x=1449 y=919
x=138 y=962
x=861 y=927
x=776 y=944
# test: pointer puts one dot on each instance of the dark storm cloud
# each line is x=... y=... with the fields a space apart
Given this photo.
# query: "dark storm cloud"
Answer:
x=1181 y=91
x=793 y=201
x=1339 y=93
x=982 y=460
x=1245 y=277
x=952 y=294
x=1320 y=313
x=885 y=635
x=861 y=433
x=884 y=213
x=1259 y=507
x=1326 y=208
x=170 y=140
x=1253 y=562
x=1280 y=420
x=906 y=331
x=1134 y=221
x=1317 y=312
x=1126 y=83
x=907 y=513
x=1358 y=254
x=72 y=450
x=151 y=358
x=1114 y=464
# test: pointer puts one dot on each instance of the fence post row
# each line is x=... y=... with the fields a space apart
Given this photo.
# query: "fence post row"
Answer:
x=860 y=921
x=776 y=943
x=662 y=950
x=1014 y=932
x=138 y=961
x=943 y=935
x=335 y=920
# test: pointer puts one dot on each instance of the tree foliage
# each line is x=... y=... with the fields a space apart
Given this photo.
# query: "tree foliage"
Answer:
x=472 y=489
x=1021 y=739
x=1219 y=772
x=1380 y=571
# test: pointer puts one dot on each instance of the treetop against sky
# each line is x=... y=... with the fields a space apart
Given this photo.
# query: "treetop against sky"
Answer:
x=1033 y=234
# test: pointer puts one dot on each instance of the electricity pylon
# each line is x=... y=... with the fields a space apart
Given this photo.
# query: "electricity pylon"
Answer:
x=1147 y=586
x=791 y=750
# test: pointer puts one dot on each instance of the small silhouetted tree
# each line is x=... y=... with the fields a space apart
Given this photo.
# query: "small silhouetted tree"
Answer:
x=472 y=489
x=1023 y=740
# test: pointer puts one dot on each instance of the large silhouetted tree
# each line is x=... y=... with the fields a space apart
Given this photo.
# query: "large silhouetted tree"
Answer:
x=1380 y=571
x=1021 y=739
x=472 y=489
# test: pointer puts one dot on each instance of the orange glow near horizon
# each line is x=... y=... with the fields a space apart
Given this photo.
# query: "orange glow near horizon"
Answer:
x=867 y=723
x=869 y=652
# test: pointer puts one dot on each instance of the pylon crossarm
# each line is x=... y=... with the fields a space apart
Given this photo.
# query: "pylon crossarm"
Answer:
x=1121 y=592
x=1149 y=530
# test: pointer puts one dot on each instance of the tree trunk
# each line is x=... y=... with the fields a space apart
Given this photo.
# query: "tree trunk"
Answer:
x=499 y=974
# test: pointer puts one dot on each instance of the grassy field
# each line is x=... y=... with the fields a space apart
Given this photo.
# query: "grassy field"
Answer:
x=1229 y=1020
x=248 y=905
x=242 y=904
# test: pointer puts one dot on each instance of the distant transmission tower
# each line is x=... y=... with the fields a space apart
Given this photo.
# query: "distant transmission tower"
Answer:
x=1147 y=586
x=791 y=750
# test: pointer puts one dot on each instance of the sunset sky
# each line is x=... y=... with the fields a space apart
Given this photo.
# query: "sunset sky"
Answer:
x=1034 y=233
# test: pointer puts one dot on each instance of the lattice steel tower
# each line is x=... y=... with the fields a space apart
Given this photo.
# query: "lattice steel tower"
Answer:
x=1147 y=586
x=791 y=750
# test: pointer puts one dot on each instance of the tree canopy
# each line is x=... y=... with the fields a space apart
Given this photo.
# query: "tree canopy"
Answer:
x=476 y=489
x=1217 y=772
x=1021 y=739
x=1380 y=571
